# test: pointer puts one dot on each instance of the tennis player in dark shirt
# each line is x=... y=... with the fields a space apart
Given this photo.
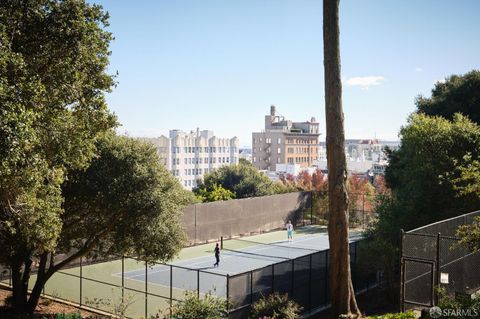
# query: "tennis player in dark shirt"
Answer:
x=217 y=255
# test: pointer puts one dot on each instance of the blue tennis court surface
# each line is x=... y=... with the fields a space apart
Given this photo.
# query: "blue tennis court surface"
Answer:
x=238 y=256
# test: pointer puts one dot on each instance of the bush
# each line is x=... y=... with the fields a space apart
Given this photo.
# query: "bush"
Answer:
x=275 y=306
x=458 y=307
x=75 y=315
x=400 y=315
x=209 y=307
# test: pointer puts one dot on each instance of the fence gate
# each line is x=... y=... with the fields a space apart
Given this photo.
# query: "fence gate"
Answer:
x=418 y=282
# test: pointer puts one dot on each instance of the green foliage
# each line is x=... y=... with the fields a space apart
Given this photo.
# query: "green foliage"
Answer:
x=425 y=173
x=243 y=180
x=459 y=307
x=458 y=94
x=125 y=202
x=275 y=306
x=400 y=315
x=75 y=315
x=470 y=235
x=216 y=194
x=208 y=307
x=53 y=80
x=377 y=253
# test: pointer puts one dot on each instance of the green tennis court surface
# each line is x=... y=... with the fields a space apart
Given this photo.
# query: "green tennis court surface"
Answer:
x=100 y=285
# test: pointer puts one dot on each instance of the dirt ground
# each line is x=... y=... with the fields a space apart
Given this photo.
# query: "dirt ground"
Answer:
x=46 y=308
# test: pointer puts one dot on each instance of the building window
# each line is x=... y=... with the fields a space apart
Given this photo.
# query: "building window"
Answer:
x=268 y=140
x=185 y=182
x=254 y=159
x=278 y=159
x=279 y=150
x=227 y=159
x=186 y=161
x=279 y=140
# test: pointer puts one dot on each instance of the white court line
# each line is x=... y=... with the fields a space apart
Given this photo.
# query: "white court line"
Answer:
x=229 y=256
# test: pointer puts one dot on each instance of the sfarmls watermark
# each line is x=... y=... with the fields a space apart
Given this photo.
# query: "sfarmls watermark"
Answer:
x=437 y=312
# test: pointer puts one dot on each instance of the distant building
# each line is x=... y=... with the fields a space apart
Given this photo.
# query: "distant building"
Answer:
x=189 y=156
x=364 y=156
x=246 y=154
x=285 y=142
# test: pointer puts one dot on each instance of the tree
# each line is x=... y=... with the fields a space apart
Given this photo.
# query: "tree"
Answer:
x=216 y=194
x=341 y=287
x=124 y=203
x=429 y=175
x=243 y=180
x=470 y=235
x=458 y=94
x=53 y=60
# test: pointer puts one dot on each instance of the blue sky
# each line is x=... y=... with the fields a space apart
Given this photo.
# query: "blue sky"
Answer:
x=220 y=64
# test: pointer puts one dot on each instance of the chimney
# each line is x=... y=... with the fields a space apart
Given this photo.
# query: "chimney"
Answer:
x=272 y=110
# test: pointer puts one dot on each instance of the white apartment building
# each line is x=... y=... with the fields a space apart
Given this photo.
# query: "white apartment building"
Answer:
x=189 y=156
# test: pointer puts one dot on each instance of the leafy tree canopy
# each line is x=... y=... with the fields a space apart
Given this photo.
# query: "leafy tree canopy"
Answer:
x=470 y=235
x=53 y=79
x=125 y=202
x=425 y=173
x=243 y=180
x=458 y=94
x=216 y=194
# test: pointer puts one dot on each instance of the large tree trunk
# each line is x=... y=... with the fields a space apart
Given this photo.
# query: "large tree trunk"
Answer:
x=341 y=288
x=20 y=278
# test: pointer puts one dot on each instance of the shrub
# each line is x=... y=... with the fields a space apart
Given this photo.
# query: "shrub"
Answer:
x=209 y=307
x=458 y=307
x=275 y=306
x=75 y=315
x=400 y=315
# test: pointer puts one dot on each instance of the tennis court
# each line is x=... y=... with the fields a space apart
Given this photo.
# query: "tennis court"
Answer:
x=153 y=289
x=237 y=256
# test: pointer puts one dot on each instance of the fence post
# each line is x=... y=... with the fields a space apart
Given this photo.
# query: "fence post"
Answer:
x=402 y=273
x=228 y=294
x=198 y=283
x=437 y=277
x=81 y=274
x=293 y=276
x=326 y=277
x=123 y=279
x=273 y=278
x=195 y=226
x=363 y=210
x=251 y=287
x=311 y=207
x=171 y=290
x=146 y=289
x=310 y=285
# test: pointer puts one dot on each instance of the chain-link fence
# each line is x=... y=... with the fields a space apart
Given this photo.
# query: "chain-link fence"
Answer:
x=207 y=221
x=361 y=209
x=128 y=286
x=432 y=258
x=304 y=279
x=131 y=287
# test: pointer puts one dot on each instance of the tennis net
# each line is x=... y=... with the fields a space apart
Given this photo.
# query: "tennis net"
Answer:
x=255 y=249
